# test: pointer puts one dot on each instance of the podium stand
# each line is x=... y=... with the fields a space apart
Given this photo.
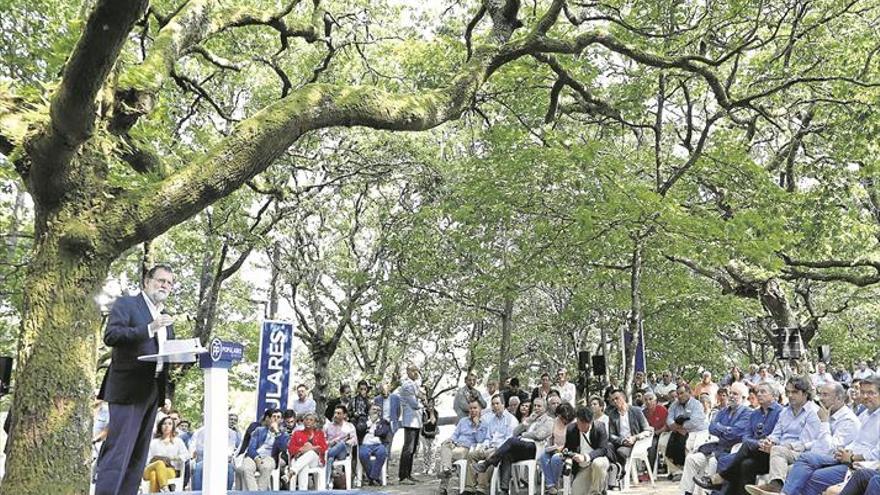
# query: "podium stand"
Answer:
x=215 y=361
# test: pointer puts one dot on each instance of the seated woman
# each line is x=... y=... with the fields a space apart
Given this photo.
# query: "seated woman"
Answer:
x=306 y=448
x=167 y=456
x=552 y=460
x=373 y=444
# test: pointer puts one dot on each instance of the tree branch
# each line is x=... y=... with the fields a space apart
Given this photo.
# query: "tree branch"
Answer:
x=73 y=107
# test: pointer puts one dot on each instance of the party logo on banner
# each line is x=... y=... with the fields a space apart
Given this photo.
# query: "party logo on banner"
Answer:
x=276 y=347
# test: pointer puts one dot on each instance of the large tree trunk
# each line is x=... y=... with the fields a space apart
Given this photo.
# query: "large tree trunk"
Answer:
x=321 y=359
x=51 y=417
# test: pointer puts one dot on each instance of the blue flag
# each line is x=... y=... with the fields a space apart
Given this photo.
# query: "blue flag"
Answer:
x=276 y=347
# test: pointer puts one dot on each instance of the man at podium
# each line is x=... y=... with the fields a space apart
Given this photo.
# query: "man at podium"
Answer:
x=133 y=388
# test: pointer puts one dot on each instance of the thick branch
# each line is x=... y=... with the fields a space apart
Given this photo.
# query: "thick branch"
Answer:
x=73 y=107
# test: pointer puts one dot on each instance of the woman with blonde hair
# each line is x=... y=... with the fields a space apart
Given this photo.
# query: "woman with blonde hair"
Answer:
x=167 y=456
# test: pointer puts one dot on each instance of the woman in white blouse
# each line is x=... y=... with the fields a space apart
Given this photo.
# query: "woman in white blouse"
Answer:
x=167 y=456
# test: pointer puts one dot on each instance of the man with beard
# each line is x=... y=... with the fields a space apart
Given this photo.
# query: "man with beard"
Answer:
x=134 y=389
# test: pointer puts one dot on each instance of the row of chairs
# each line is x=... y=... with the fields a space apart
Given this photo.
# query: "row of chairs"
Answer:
x=535 y=476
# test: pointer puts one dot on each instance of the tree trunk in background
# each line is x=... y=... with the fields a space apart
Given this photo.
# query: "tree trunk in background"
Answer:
x=506 y=333
x=634 y=322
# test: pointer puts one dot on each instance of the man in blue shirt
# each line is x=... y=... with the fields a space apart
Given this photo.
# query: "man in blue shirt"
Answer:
x=797 y=429
x=468 y=432
x=499 y=424
x=729 y=426
x=814 y=472
x=741 y=468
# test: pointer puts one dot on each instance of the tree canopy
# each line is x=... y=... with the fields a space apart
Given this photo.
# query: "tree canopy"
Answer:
x=494 y=184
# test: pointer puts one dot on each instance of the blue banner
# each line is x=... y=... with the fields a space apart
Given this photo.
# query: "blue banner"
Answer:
x=276 y=347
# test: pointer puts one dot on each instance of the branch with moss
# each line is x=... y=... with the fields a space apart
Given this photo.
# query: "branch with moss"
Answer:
x=74 y=104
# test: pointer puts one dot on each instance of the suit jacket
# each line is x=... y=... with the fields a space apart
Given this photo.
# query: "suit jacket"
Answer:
x=394 y=410
x=410 y=409
x=128 y=380
x=598 y=438
x=637 y=424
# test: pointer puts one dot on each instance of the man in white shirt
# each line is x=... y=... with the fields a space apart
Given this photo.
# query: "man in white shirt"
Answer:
x=863 y=371
x=303 y=404
x=566 y=389
x=820 y=377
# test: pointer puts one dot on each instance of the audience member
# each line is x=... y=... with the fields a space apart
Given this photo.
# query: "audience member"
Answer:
x=360 y=409
x=567 y=391
x=523 y=411
x=796 y=430
x=513 y=390
x=863 y=372
x=626 y=425
x=167 y=456
x=708 y=387
x=820 y=377
x=372 y=451
x=738 y=469
x=598 y=406
x=344 y=399
x=429 y=434
x=542 y=390
x=656 y=414
x=261 y=455
x=813 y=472
x=534 y=429
x=685 y=417
x=728 y=426
x=469 y=432
x=303 y=404
x=551 y=461
x=665 y=387
x=390 y=405
x=499 y=427
x=465 y=395
x=307 y=449
x=197 y=453
x=341 y=437
x=587 y=441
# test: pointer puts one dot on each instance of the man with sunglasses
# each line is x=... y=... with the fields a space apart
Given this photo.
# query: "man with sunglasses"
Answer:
x=134 y=389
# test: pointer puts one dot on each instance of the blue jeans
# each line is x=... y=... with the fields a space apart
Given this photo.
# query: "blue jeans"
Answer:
x=812 y=473
x=861 y=482
x=337 y=452
x=551 y=466
x=197 y=476
x=373 y=468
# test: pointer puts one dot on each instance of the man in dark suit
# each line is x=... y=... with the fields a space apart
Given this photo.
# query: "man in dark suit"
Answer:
x=134 y=389
x=589 y=443
x=626 y=425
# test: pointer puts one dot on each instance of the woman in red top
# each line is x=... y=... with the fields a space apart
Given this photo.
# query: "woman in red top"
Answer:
x=307 y=449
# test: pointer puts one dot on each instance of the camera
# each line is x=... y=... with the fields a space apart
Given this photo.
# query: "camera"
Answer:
x=567 y=454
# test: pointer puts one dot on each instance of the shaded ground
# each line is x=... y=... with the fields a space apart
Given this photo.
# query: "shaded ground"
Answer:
x=428 y=484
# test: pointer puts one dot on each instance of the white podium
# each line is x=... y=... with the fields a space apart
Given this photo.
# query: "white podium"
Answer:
x=215 y=361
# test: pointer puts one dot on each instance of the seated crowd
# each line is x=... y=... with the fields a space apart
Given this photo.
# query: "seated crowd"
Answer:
x=754 y=432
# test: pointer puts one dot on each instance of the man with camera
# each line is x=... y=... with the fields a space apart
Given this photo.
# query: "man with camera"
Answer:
x=586 y=454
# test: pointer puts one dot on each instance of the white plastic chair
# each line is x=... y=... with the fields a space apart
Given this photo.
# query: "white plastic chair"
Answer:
x=360 y=471
x=639 y=453
x=531 y=465
x=461 y=464
x=346 y=468
x=302 y=479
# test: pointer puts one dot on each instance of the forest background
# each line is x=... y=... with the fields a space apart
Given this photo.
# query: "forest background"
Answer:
x=706 y=172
